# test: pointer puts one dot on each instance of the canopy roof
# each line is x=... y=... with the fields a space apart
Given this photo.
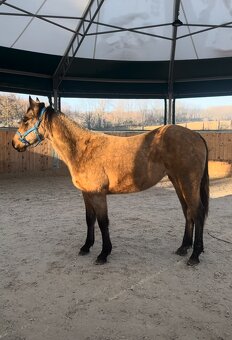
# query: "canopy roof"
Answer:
x=116 y=48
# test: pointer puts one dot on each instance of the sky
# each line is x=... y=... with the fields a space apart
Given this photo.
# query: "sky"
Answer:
x=208 y=101
x=201 y=103
x=88 y=104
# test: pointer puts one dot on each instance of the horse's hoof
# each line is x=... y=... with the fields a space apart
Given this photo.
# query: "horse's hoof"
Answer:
x=193 y=262
x=182 y=251
x=83 y=252
x=101 y=260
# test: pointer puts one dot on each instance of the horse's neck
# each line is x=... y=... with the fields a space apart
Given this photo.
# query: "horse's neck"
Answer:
x=68 y=139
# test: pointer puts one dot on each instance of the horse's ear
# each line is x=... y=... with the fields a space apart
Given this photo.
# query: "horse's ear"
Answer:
x=37 y=100
x=31 y=102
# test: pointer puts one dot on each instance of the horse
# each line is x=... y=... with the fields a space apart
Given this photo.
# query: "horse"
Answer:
x=101 y=164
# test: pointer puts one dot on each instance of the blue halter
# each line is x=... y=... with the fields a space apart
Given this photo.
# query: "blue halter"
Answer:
x=22 y=137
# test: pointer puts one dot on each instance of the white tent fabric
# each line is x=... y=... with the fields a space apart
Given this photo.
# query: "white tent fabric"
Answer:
x=116 y=48
x=20 y=29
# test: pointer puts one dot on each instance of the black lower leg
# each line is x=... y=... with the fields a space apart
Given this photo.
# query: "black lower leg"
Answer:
x=198 y=246
x=90 y=220
x=106 y=243
x=188 y=234
x=187 y=239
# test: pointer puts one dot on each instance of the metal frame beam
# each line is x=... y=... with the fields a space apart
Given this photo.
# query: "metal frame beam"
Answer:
x=115 y=29
x=45 y=16
x=133 y=30
x=76 y=41
x=68 y=17
x=212 y=27
x=188 y=28
x=38 y=17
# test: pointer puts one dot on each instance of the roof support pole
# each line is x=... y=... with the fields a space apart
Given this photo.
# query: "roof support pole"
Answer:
x=165 y=111
x=176 y=23
x=169 y=117
x=56 y=104
x=56 y=101
x=174 y=111
x=76 y=41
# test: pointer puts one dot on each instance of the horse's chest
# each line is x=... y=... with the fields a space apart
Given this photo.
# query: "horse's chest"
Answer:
x=91 y=181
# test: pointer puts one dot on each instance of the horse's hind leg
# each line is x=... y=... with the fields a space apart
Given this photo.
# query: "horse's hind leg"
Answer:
x=188 y=233
x=198 y=246
x=90 y=221
x=196 y=213
x=188 y=236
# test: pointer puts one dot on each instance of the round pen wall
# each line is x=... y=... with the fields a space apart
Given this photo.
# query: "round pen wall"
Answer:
x=43 y=158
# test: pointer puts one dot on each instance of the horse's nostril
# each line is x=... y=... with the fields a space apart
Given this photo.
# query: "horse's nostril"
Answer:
x=17 y=147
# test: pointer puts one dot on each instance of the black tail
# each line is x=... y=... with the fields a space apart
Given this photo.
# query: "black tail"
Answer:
x=204 y=191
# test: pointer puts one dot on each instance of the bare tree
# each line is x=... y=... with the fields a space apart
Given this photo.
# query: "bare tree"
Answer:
x=89 y=119
x=11 y=109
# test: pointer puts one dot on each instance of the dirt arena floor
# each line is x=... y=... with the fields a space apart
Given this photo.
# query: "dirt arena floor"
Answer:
x=144 y=292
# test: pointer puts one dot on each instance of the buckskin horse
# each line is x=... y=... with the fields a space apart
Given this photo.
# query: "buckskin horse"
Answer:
x=102 y=164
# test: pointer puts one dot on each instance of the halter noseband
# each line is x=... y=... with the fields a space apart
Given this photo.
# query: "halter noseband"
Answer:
x=22 y=137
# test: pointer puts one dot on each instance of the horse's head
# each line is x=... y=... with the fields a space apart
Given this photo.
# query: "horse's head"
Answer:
x=30 y=131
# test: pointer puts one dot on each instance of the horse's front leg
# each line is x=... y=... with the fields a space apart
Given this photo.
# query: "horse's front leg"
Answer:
x=99 y=204
x=90 y=221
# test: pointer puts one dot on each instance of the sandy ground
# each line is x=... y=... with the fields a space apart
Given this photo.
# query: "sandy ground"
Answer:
x=48 y=292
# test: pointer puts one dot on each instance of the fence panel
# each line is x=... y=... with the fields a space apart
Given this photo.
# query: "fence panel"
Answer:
x=43 y=158
x=219 y=145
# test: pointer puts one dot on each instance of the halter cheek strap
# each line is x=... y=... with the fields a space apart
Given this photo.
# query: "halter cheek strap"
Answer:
x=22 y=137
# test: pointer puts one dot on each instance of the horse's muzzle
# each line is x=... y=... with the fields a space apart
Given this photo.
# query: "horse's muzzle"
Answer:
x=19 y=147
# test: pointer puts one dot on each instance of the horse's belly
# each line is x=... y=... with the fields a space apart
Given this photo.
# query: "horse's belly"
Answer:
x=137 y=180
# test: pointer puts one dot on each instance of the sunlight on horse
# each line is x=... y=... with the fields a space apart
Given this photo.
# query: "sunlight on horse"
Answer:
x=101 y=164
